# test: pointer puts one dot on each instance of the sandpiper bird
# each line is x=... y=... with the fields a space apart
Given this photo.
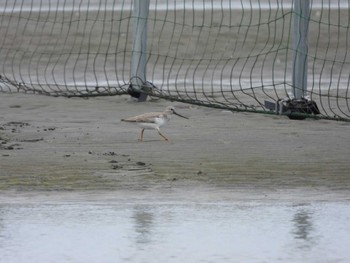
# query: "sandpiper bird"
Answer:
x=153 y=120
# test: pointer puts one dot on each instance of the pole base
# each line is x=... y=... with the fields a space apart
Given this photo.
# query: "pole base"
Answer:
x=140 y=94
x=295 y=109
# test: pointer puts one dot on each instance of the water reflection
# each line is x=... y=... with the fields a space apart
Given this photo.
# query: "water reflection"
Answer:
x=143 y=224
x=303 y=227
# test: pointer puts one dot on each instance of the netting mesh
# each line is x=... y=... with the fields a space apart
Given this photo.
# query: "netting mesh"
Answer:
x=65 y=47
x=231 y=54
x=222 y=53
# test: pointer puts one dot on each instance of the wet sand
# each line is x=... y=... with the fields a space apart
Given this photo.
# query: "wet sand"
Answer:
x=65 y=145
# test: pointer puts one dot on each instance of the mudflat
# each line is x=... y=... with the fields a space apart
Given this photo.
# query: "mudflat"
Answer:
x=71 y=144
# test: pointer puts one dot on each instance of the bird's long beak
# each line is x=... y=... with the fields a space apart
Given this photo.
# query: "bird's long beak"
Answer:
x=179 y=115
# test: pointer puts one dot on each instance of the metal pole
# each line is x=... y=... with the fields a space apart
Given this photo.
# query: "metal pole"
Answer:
x=300 y=46
x=139 y=48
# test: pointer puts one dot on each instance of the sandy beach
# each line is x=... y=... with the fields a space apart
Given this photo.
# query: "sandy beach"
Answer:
x=61 y=144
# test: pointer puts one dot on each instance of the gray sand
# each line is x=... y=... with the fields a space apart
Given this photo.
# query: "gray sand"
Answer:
x=61 y=144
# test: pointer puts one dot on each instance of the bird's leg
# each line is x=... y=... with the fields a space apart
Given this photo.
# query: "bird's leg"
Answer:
x=141 y=139
x=165 y=138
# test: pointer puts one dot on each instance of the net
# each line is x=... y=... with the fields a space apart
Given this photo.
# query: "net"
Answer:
x=229 y=54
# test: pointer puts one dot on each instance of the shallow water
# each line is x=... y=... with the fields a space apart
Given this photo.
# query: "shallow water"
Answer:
x=174 y=232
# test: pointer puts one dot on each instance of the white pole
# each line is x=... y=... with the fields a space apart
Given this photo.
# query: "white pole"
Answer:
x=300 y=45
x=139 y=46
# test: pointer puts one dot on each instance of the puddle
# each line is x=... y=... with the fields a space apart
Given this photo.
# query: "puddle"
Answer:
x=174 y=232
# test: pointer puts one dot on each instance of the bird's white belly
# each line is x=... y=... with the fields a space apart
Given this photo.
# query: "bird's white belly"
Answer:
x=145 y=125
x=153 y=125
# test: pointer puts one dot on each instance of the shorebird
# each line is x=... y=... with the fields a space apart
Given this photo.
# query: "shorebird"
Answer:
x=153 y=120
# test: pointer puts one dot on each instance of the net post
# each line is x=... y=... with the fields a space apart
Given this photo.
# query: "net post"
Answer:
x=139 y=49
x=300 y=46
